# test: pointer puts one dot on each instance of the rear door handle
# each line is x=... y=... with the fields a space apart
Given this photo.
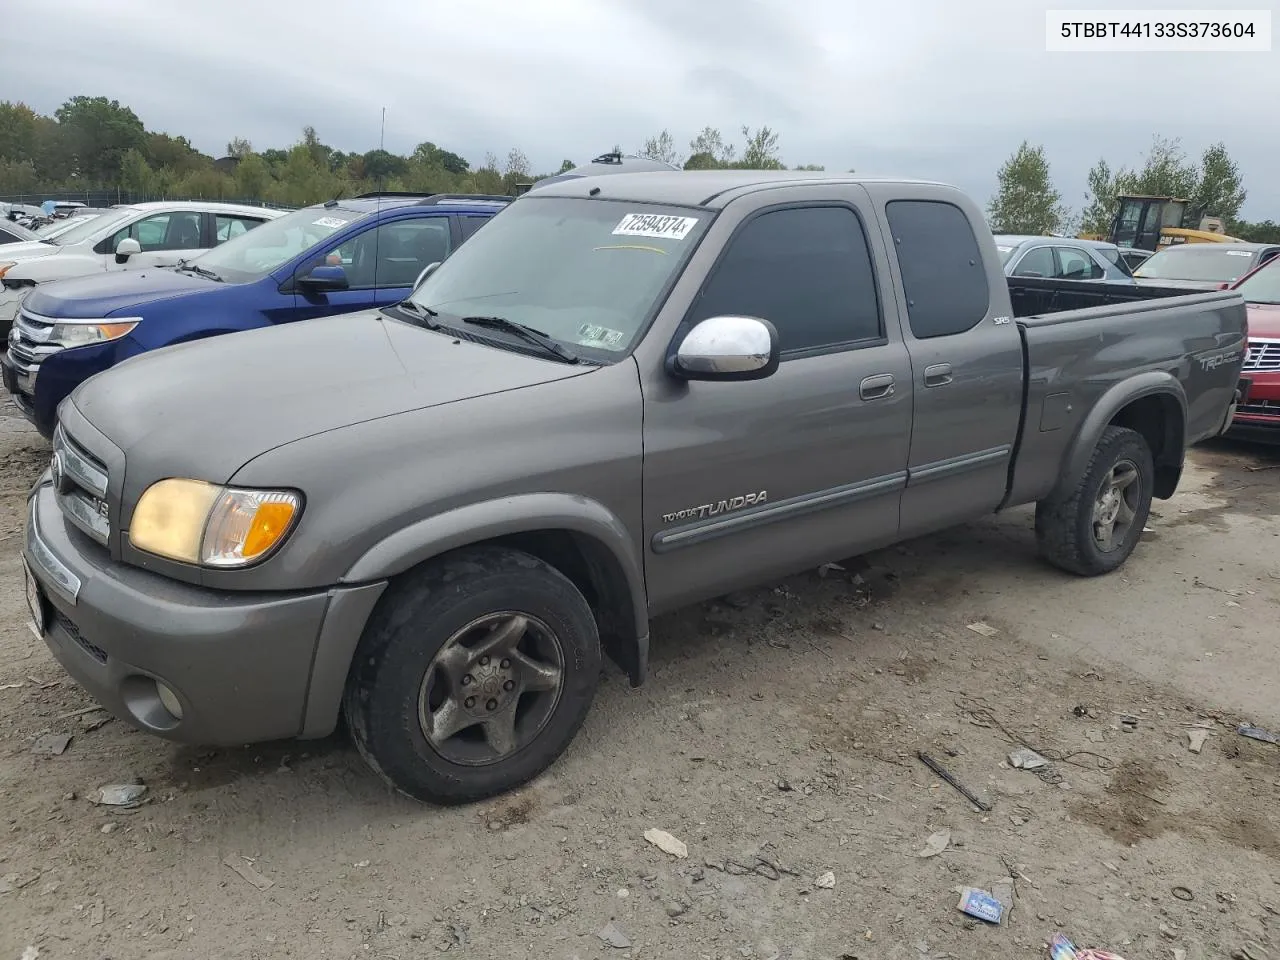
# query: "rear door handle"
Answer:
x=877 y=387
x=937 y=374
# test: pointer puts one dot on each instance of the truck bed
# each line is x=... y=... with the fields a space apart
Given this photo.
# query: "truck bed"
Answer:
x=1179 y=344
x=1033 y=297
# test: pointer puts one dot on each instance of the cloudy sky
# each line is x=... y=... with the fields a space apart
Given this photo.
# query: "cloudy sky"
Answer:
x=925 y=88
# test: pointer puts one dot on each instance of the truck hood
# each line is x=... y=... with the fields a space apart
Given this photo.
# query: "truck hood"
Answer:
x=205 y=408
x=102 y=294
x=1264 y=320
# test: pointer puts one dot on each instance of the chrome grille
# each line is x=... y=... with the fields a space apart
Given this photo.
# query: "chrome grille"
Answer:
x=1263 y=355
x=29 y=346
x=1265 y=408
x=80 y=485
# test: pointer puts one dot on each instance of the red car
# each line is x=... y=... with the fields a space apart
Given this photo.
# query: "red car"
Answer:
x=1258 y=415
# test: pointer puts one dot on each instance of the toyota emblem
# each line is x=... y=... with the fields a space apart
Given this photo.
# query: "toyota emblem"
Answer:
x=59 y=476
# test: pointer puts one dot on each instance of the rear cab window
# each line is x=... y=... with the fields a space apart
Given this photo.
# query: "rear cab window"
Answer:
x=943 y=276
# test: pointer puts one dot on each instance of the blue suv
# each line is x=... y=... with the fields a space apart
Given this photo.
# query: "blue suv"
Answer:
x=335 y=257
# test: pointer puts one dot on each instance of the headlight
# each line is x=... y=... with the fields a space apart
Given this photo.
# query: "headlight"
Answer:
x=81 y=333
x=4 y=267
x=197 y=522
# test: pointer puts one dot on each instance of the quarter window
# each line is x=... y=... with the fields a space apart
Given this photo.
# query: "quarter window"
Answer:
x=229 y=227
x=943 y=275
x=807 y=270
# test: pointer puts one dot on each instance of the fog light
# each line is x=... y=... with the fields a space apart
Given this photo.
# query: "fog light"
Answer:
x=169 y=699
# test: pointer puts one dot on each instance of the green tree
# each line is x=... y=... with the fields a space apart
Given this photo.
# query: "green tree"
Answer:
x=136 y=174
x=252 y=177
x=1220 y=191
x=1026 y=201
x=239 y=147
x=811 y=166
x=1100 y=200
x=760 y=150
x=429 y=154
x=1166 y=172
x=381 y=165
x=99 y=132
x=18 y=124
x=176 y=153
x=708 y=151
x=662 y=147
x=566 y=165
x=1265 y=231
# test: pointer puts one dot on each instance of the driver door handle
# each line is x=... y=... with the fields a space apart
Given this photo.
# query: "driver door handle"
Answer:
x=877 y=387
x=937 y=374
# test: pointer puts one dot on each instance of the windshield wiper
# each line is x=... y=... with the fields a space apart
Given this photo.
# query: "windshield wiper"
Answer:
x=198 y=271
x=425 y=314
x=529 y=334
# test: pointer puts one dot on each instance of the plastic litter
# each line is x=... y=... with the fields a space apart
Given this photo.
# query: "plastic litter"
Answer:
x=667 y=843
x=1026 y=759
x=936 y=843
x=121 y=795
x=980 y=904
x=1257 y=733
x=1061 y=948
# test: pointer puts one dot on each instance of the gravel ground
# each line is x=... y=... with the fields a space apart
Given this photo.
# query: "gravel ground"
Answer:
x=778 y=738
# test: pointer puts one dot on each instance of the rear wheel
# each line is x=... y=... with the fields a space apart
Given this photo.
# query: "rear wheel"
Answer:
x=473 y=675
x=1095 y=528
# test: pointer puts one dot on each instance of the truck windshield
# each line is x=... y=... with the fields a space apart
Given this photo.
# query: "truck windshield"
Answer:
x=1197 y=261
x=1263 y=286
x=585 y=272
x=254 y=254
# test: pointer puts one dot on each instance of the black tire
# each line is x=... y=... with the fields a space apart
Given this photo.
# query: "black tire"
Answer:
x=414 y=620
x=1064 y=526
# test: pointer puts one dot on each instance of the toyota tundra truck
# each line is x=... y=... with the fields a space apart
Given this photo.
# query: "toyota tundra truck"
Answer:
x=624 y=395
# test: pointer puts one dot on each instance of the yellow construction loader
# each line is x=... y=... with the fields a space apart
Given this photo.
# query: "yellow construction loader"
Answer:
x=1149 y=223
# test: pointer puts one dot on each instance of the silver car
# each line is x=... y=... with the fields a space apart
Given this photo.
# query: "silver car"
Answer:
x=1062 y=258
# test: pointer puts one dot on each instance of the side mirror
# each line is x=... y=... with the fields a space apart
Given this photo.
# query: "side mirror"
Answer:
x=323 y=279
x=126 y=248
x=727 y=348
x=427 y=271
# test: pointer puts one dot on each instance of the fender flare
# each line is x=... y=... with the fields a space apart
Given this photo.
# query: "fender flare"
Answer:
x=1116 y=398
x=490 y=519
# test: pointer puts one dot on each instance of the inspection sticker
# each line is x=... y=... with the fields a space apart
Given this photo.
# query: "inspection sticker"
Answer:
x=591 y=332
x=655 y=226
x=331 y=222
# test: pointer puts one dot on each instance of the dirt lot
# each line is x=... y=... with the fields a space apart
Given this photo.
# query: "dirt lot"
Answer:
x=778 y=738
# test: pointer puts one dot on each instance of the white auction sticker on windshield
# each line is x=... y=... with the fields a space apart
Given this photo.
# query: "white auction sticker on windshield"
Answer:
x=654 y=225
x=332 y=223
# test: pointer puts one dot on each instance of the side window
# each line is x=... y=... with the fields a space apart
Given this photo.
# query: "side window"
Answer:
x=807 y=270
x=471 y=224
x=943 y=275
x=1077 y=265
x=405 y=247
x=393 y=254
x=1037 y=262
x=163 y=231
x=229 y=227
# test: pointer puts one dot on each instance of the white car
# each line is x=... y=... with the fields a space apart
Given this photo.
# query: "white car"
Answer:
x=127 y=237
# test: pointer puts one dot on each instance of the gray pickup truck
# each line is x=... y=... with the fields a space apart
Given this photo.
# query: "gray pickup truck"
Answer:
x=623 y=395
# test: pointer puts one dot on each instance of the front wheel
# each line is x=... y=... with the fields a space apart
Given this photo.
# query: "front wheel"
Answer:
x=1095 y=528
x=473 y=675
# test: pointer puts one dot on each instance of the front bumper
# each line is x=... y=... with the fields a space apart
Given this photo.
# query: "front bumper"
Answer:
x=239 y=664
x=1257 y=416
